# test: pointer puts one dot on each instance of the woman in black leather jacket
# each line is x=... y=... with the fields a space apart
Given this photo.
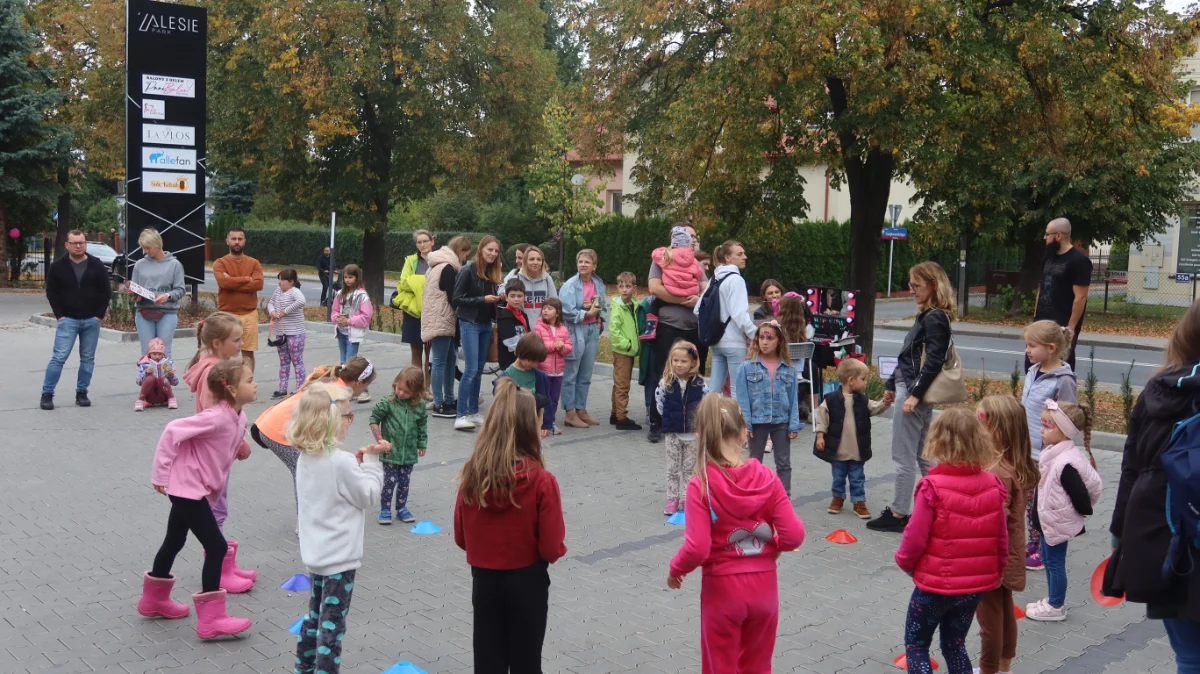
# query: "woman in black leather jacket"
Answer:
x=1140 y=534
x=474 y=300
x=921 y=358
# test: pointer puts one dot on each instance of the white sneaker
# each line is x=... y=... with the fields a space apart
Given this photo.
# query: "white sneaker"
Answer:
x=1044 y=612
x=429 y=405
x=463 y=424
x=476 y=419
x=364 y=397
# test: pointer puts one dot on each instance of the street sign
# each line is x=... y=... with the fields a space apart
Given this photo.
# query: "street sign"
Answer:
x=894 y=213
x=895 y=234
x=1183 y=278
x=56 y=216
x=1188 y=260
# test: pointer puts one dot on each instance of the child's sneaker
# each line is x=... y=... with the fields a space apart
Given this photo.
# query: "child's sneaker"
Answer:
x=860 y=509
x=463 y=424
x=770 y=444
x=278 y=395
x=385 y=516
x=406 y=516
x=835 y=506
x=555 y=430
x=1042 y=611
x=672 y=507
x=1033 y=561
x=139 y=405
x=476 y=419
x=172 y=404
x=364 y=397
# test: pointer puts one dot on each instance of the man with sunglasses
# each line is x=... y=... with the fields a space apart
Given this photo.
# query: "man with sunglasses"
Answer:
x=78 y=289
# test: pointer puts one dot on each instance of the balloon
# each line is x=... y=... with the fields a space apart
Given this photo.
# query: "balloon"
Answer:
x=14 y=233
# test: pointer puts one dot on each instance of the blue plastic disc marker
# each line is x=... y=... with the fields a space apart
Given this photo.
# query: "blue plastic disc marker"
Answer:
x=297 y=583
x=404 y=667
x=295 y=628
x=676 y=519
x=425 y=527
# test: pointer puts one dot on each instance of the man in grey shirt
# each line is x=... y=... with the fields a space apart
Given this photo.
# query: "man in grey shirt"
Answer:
x=676 y=321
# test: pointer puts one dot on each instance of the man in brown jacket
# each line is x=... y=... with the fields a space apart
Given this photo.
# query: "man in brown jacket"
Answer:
x=239 y=278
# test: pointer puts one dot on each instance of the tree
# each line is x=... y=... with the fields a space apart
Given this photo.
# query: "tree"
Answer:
x=355 y=106
x=29 y=146
x=562 y=40
x=1062 y=111
x=568 y=204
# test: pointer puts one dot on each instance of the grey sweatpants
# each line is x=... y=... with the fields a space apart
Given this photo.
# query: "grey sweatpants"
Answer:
x=908 y=441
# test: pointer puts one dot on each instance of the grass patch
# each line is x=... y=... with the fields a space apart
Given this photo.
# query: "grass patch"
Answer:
x=1108 y=324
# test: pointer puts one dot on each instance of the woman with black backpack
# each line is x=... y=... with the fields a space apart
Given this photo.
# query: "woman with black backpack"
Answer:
x=1141 y=535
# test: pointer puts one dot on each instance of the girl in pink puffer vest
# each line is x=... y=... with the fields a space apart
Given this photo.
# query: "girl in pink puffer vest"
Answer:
x=1066 y=493
x=955 y=545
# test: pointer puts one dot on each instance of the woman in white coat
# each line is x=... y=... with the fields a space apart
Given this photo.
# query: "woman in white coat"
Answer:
x=730 y=351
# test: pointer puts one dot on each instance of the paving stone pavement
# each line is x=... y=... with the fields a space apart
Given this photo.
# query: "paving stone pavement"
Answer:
x=81 y=523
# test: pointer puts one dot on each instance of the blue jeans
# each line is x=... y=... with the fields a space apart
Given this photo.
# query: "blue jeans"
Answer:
x=852 y=471
x=952 y=616
x=1185 y=641
x=346 y=349
x=163 y=328
x=476 y=338
x=1055 y=559
x=577 y=374
x=725 y=362
x=88 y=332
x=442 y=357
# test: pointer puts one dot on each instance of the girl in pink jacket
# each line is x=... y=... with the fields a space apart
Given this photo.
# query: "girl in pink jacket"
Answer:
x=191 y=467
x=1066 y=493
x=955 y=545
x=738 y=520
x=557 y=338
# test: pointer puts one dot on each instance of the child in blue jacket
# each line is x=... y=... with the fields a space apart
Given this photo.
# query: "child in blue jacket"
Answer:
x=766 y=392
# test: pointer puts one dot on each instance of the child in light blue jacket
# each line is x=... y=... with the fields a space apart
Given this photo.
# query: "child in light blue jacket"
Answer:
x=585 y=310
x=765 y=388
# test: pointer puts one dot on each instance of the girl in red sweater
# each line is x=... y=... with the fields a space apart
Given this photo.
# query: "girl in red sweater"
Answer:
x=509 y=519
x=955 y=546
x=738 y=520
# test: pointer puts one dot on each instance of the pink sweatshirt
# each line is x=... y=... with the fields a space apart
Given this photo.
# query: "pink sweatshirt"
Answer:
x=195 y=453
x=556 y=360
x=682 y=278
x=754 y=522
x=197 y=380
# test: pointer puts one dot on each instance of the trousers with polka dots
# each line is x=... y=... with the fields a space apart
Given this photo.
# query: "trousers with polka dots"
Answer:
x=319 y=650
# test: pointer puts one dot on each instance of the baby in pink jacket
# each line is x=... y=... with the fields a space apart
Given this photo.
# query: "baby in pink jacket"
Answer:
x=681 y=274
x=191 y=467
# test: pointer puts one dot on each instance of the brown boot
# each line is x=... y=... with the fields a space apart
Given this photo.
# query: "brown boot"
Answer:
x=835 y=506
x=860 y=509
x=574 y=421
x=587 y=418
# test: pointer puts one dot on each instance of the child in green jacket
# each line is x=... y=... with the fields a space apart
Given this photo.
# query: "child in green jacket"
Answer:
x=623 y=333
x=401 y=420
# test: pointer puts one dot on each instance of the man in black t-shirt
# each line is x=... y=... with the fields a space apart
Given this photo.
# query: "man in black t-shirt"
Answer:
x=1066 y=276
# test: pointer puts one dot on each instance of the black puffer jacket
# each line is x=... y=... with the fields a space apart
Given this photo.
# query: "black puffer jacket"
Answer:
x=929 y=334
x=467 y=298
x=1139 y=523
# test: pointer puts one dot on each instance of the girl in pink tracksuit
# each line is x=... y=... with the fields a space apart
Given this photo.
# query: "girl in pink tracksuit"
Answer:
x=955 y=545
x=738 y=520
x=191 y=467
x=557 y=338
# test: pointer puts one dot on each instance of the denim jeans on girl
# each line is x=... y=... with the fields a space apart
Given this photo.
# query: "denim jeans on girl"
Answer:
x=346 y=349
x=928 y=612
x=87 y=330
x=163 y=328
x=577 y=375
x=1185 y=641
x=1055 y=559
x=476 y=338
x=853 y=472
x=442 y=357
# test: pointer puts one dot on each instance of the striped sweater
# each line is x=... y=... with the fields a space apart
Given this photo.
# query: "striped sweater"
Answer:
x=291 y=303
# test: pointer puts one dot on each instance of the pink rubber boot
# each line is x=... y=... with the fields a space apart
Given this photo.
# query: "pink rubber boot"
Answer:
x=211 y=619
x=156 y=599
x=230 y=580
x=249 y=574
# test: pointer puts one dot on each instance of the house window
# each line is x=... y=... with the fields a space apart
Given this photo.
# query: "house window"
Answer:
x=616 y=202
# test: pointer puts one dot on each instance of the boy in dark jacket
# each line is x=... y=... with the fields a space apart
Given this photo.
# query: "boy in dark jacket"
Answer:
x=843 y=426
x=511 y=323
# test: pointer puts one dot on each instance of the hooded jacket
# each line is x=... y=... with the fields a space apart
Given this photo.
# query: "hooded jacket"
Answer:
x=160 y=276
x=735 y=307
x=437 y=315
x=197 y=380
x=1139 y=522
x=195 y=453
x=536 y=292
x=556 y=359
x=410 y=291
x=503 y=537
x=1059 y=384
x=623 y=330
x=683 y=276
x=358 y=309
x=739 y=524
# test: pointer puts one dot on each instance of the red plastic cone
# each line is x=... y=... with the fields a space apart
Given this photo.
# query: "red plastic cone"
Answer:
x=1019 y=612
x=1098 y=583
x=841 y=537
x=901 y=661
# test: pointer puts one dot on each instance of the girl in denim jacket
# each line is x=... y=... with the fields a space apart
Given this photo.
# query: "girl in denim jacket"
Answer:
x=766 y=391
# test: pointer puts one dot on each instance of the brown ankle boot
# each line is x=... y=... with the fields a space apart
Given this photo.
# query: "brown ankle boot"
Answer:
x=574 y=421
x=835 y=506
x=587 y=418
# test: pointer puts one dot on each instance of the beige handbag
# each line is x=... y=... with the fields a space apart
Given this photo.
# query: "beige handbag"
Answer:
x=950 y=385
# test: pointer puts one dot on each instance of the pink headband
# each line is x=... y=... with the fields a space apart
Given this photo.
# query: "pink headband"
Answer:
x=1061 y=419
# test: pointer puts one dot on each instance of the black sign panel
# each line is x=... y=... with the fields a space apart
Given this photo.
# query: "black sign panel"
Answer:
x=165 y=110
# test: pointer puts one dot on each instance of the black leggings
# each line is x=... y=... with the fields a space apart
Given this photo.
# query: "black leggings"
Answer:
x=510 y=618
x=195 y=516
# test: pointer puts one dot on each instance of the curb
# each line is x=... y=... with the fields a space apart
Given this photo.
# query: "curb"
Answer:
x=1085 y=339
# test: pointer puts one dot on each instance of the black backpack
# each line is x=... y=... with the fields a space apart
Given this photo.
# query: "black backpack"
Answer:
x=711 y=328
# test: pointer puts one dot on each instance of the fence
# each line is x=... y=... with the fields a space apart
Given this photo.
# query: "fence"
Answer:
x=28 y=260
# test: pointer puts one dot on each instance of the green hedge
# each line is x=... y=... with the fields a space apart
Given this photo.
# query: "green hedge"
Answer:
x=302 y=245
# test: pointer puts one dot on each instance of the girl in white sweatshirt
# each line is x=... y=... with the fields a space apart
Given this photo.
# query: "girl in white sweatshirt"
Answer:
x=335 y=489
